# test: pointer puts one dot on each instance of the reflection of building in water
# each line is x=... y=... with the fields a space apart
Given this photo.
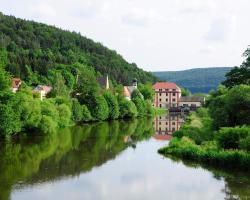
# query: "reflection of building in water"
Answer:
x=167 y=125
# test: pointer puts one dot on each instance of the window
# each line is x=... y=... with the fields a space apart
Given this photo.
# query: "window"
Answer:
x=173 y=123
x=160 y=105
x=160 y=94
x=166 y=129
x=160 y=117
x=160 y=99
x=174 y=89
x=166 y=123
x=174 y=94
x=160 y=90
x=160 y=129
x=166 y=90
x=159 y=123
x=173 y=129
x=174 y=100
x=166 y=100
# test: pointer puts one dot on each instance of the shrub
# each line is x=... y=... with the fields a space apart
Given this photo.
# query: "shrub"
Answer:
x=179 y=134
x=149 y=108
x=141 y=106
x=98 y=107
x=127 y=109
x=86 y=115
x=229 y=138
x=77 y=113
x=245 y=143
x=113 y=105
x=64 y=115
x=47 y=124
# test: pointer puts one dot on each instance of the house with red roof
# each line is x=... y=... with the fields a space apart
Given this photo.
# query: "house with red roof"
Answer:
x=42 y=90
x=16 y=83
x=128 y=90
x=167 y=95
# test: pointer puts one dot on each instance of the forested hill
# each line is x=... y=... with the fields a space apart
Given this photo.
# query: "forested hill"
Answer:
x=197 y=79
x=34 y=49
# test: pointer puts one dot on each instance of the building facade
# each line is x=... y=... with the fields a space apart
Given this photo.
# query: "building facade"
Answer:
x=167 y=95
x=192 y=101
x=167 y=125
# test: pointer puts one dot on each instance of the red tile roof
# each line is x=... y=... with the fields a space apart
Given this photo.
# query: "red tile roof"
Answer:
x=165 y=85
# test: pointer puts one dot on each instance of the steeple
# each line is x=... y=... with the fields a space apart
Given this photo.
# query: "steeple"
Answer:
x=107 y=82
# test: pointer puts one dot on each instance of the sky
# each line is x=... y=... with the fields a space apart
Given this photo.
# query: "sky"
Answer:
x=158 y=35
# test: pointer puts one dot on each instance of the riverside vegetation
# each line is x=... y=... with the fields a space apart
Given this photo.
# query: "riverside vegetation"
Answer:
x=219 y=134
x=70 y=63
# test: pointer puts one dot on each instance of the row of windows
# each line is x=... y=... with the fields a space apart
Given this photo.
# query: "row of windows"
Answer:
x=173 y=123
x=173 y=105
x=166 y=90
x=173 y=129
x=166 y=117
x=173 y=94
x=167 y=100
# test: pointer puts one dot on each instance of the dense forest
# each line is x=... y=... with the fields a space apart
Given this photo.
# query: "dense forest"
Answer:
x=70 y=64
x=35 y=50
x=197 y=80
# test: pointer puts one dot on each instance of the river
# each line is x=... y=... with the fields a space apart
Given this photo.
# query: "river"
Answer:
x=110 y=160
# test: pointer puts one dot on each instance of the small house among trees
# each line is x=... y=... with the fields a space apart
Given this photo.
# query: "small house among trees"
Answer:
x=16 y=83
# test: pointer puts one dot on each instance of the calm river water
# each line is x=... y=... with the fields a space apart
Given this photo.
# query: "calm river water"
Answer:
x=110 y=160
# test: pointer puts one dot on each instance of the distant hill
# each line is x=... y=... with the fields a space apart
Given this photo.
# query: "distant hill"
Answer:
x=197 y=79
x=35 y=49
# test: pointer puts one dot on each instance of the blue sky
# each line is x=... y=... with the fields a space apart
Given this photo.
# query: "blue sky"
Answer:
x=157 y=35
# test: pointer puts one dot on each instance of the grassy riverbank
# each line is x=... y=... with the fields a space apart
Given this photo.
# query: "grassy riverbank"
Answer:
x=197 y=141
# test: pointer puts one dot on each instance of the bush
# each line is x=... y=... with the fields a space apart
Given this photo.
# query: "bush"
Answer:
x=47 y=124
x=86 y=116
x=127 y=109
x=245 y=143
x=229 y=138
x=98 y=107
x=141 y=106
x=113 y=105
x=77 y=113
x=64 y=115
x=179 y=134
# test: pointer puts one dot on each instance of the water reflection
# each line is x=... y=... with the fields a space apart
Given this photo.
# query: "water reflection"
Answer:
x=109 y=160
x=166 y=125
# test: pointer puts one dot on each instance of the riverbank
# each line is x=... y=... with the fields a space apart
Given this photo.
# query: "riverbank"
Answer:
x=197 y=141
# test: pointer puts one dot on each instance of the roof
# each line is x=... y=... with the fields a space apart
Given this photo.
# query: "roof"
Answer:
x=165 y=85
x=126 y=92
x=16 y=82
x=43 y=88
x=192 y=99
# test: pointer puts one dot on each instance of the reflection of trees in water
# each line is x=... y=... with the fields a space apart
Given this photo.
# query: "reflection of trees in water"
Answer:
x=68 y=152
x=237 y=184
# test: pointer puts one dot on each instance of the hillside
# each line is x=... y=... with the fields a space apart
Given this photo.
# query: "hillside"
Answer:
x=197 y=79
x=34 y=49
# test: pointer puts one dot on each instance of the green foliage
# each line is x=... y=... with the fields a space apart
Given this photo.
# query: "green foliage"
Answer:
x=199 y=80
x=112 y=104
x=47 y=124
x=141 y=106
x=77 y=113
x=64 y=112
x=5 y=80
x=245 y=143
x=185 y=92
x=239 y=75
x=34 y=49
x=147 y=91
x=86 y=115
x=97 y=106
x=127 y=109
x=229 y=138
x=136 y=94
x=207 y=153
x=231 y=108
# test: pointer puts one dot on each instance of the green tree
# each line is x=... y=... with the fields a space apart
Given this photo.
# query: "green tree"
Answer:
x=127 y=109
x=77 y=114
x=147 y=91
x=86 y=115
x=113 y=105
x=5 y=81
x=98 y=107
